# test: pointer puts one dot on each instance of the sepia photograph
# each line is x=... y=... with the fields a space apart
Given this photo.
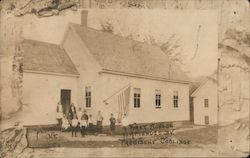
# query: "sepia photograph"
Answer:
x=124 y=78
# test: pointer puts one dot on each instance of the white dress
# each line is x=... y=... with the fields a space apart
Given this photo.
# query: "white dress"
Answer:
x=65 y=123
x=83 y=123
x=74 y=122
x=59 y=113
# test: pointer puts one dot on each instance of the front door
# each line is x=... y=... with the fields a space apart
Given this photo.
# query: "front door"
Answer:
x=65 y=100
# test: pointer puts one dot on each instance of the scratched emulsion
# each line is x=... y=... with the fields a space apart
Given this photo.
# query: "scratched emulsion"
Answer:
x=233 y=45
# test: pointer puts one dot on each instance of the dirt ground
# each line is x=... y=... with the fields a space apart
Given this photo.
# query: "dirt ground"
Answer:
x=208 y=151
x=195 y=135
x=108 y=147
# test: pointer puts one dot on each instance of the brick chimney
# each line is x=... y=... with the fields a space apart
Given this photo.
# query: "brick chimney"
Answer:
x=84 y=18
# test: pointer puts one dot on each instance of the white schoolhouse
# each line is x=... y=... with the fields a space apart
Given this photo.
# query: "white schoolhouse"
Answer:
x=100 y=71
x=204 y=102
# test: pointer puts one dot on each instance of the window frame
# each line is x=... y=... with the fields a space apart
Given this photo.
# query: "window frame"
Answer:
x=137 y=97
x=88 y=95
x=157 y=98
x=175 y=99
x=206 y=103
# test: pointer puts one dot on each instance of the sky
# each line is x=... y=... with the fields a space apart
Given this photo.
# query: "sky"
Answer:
x=161 y=24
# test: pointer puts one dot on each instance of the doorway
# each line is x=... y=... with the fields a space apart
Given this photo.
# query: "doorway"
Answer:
x=191 y=109
x=66 y=100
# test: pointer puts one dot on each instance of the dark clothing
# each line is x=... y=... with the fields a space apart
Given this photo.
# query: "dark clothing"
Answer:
x=125 y=132
x=112 y=123
x=83 y=130
x=91 y=127
x=72 y=111
x=112 y=128
x=74 y=130
x=99 y=126
x=84 y=126
x=59 y=122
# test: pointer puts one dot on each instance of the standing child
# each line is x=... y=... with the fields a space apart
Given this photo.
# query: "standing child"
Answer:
x=65 y=123
x=84 y=123
x=91 y=125
x=59 y=113
x=99 y=122
x=112 y=124
x=74 y=125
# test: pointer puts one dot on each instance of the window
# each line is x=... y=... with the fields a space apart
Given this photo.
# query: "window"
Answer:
x=88 y=96
x=206 y=120
x=206 y=103
x=137 y=96
x=175 y=99
x=157 y=98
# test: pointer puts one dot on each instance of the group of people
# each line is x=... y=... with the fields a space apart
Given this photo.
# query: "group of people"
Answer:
x=80 y=120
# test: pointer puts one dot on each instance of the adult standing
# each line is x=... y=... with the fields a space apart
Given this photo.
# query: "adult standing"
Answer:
x=74 y=124
x=84 y=123
x=99 y=121
x=91 y=124
x=72 y=111
x=59 y=113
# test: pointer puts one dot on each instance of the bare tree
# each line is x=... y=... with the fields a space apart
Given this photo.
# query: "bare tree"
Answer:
x=172 y=48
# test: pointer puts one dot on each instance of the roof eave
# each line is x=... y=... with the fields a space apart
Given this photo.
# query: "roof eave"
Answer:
x=142 y=76
x=197 y=90
x=51 y=73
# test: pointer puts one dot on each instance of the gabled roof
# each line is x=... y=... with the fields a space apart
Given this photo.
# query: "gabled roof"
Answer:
x=197 y=86
x=46 y=57
x=120 y=54
x=194 y=86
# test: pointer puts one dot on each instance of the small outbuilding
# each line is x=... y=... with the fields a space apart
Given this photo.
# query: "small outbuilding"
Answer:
x=203 y=103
